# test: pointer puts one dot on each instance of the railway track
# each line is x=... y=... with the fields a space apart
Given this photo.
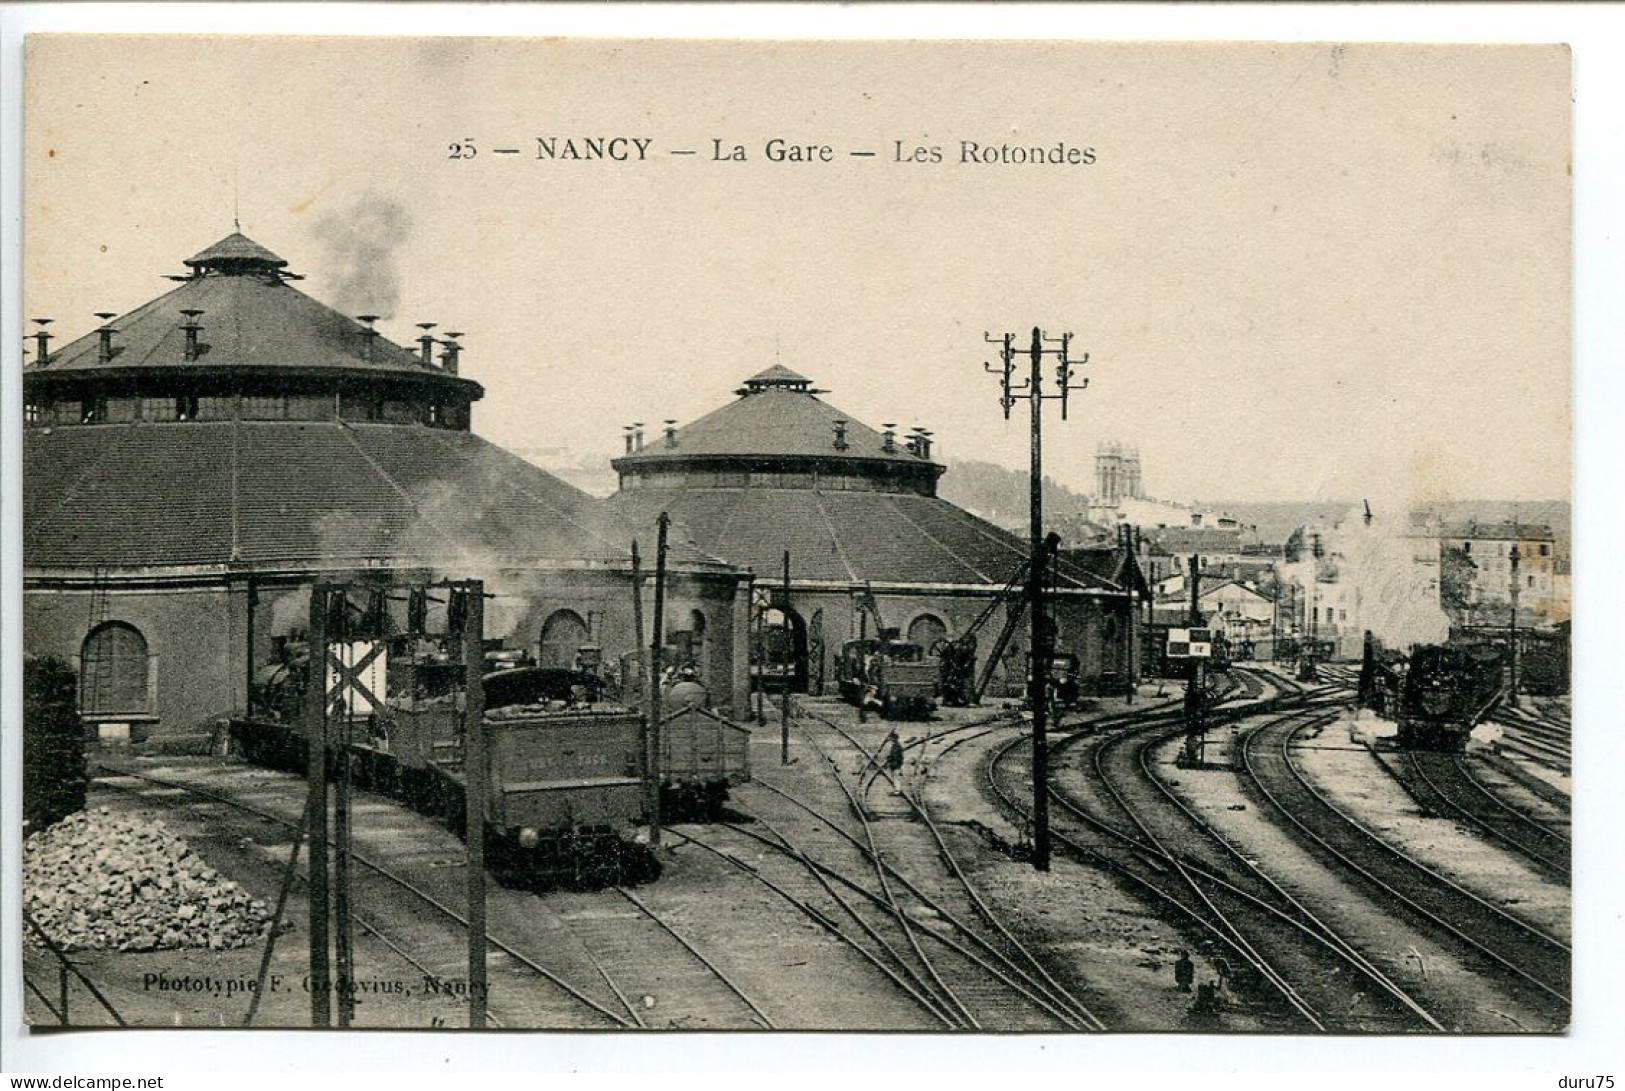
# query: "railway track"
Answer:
x=1036 y=980
x=1517 y=950
x=1136 y=825
x=1444 y=785
x=513 y=962
x=935 y=937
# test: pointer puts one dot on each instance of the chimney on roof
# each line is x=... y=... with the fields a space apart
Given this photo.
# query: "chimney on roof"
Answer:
x=104 y=350
x=192 y=329
x=637 y=435
x=448 y=358
x=426 y=343
x=671 y=432
x=627 y=429
x=42 y=341
x=925 y=443
x=840 y=436
x=888 y=438
x=369 y=336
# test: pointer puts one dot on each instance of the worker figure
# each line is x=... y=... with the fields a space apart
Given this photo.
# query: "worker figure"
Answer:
x=892 y=752
x=1207 y=999
x=1184 y=971
x=888 y=755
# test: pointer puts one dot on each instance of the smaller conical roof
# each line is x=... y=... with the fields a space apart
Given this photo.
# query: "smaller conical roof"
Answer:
x=236 y=248
x=777 y=375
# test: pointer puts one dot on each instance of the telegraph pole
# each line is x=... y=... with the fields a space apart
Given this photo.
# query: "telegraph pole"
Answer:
x=657 y=654
x=1512 y=630
x=1032 y=392
x=784 y=707
x=316 y=775
x=476 y=778
x=1195 y=688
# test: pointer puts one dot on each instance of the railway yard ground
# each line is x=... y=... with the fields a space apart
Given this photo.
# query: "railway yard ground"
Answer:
x=1319 y=879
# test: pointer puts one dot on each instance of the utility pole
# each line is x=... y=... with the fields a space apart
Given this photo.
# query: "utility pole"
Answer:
x=1195 y=686
x=316 y=776
x=784 y=706
x=657 y=654
x=476 y=777
x=1512 y=629
x=651 y=782
x=1032 y=392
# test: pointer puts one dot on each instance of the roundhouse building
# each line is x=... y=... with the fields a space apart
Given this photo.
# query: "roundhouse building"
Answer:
x=780 y=469
x=192 y=467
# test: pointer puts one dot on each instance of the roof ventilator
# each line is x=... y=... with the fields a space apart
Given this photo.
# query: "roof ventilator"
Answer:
x=448 y=358
x=194 y=348
x=369 y=336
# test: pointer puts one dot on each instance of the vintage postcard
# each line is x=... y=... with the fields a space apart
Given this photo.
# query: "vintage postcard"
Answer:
x=622 y=535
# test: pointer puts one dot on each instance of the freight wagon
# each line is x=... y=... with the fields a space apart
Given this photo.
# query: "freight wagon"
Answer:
x=566 y=780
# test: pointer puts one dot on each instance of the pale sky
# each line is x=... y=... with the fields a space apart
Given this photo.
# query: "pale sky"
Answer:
x=1300 y=271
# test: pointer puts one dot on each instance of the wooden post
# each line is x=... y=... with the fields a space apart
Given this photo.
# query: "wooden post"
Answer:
x=863 y=663
x=1039 y=642
x=646 y=740
x=316 y=777
x=476 y=776
x=1194 y=690
x=343 y=934
x=657 y=650
x=784 y=708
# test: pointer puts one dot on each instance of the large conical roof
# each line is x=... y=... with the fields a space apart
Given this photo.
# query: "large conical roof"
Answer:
x=249 y=317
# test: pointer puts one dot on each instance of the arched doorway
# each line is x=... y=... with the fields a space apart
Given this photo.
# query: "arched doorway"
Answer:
x=926 y=630
x=563 y=634
x=781 y=650
x=114 y=671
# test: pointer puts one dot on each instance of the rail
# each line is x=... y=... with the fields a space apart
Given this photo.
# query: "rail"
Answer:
x=65 y=970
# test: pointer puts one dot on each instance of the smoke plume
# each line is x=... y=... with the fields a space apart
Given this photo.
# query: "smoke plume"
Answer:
x=360 y=241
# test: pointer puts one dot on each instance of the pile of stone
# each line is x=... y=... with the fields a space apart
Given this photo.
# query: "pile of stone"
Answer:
x=99 y=881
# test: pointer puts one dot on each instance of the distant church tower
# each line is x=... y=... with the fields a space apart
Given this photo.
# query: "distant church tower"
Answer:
x=1117 y=473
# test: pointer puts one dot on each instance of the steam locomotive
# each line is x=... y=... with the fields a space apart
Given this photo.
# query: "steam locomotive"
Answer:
x=1437 y=694
x=893 y=675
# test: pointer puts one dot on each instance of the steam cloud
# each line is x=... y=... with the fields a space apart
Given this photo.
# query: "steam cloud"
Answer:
x=360 y=241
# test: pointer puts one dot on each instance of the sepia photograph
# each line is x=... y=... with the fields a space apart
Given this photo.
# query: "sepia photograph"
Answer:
x=616 y=535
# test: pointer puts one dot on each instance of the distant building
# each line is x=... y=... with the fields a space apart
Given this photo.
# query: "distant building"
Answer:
x=1543 y=571
x=1238 y=609
x=779 y=471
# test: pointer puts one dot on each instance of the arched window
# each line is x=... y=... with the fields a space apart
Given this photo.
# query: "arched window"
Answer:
x=563 y=634
x=926 y=630
x=113 y=671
